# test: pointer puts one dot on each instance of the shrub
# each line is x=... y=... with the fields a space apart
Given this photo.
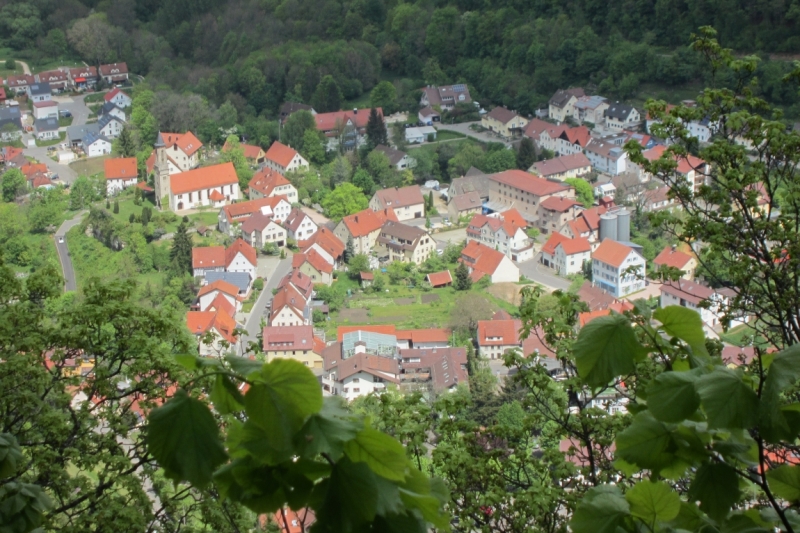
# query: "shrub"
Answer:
x=258 y=284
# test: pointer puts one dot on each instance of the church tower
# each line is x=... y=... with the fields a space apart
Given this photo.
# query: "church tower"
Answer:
x=161 y=169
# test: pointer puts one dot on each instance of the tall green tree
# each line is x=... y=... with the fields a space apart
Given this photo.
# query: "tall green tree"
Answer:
x=125 y=145
x=583 y=191
x=363 y=181
x=526 y=155
x=462 y=281
x=327 y=96
x=294 y=131
x=82 y=193
x=376 y=130
x=344 y=200
x=313 y=149
x=234 y=153
x=13 y=184
x=384 y=95
x=180 y=254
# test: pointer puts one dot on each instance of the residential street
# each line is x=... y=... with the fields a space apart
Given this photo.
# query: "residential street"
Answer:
x=464 y=128
x=252 y=326
x=535 y=271
x=63 y=252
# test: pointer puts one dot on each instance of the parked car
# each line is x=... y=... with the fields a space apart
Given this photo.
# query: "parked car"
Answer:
x=64 y=113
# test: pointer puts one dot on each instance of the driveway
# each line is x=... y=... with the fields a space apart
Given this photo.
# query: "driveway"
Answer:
x=253 y=325
x=456 y=236
x=76 y=106
x=535 y=271
x=318 y=218
x=63 y=252
x=464 y=128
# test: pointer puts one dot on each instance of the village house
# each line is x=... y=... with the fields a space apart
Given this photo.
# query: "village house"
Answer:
x=566 y=256
x=291 y=107
x=110 y=126
x=114 y=73
x=83 y=77
x=562 y=103
x=207 y=259
x=473 y=181
x=3 y=96
x=118 y=98
x=504 y=232
x=556 y=211
x=39 y=92
x=313 y=265
x=419 y=135
x=325 y=243
x=46 y=109
x=445 y=96
x=440 y=369
x=484 y=261
x=363 y=228
x=19 y=84
x=95 y=144
x=283 y=159
x=620 y=117
x=182 y=150
x=360 y=374
x=407 y=202
x=502 y=334
x=691 y=295
x=504 y=122
x=397 y=159
x=428 y=115
x=293 y=342
x=692 y=169
x=216 y=290
x=524 y=192
x=241 y=257
x=55 y=78
x=121 y=173
x=299 y=282
x=268 y=182
x=617 y=306
x=275 y=207
x=110 y=108
x=344 y=128
x=568 y=141
x=289 y=308
x=261 y=228
x=465 y=205
x=407 y=244
x=440 y=279
x=561 y=168
x=299 y=226
x=10 y=123
x=215 y=186
x=252 y=153
x=607 y=157
x=590 y=109
x=611 y=262
x=220 y=325
x=586 y=224
x=670 y=256
x=658 y=199
x=46 y=129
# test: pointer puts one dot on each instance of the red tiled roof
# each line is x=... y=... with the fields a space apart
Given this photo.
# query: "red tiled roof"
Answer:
x=186 y=142
x=535 y=344
x=144 y=186
x=617 y=307
x=114 y=68
x=384 y=367
x=287 y=296
x=258 y=221
x=220 y=303
x=559 y=204
x=200 y=322
x=203 y=178
x=385 y=329
x=40 y=181
x=282 y=338
x=366 y=221
x=510 y=221
x=367 y=276
x=524 y=181
x=328 y=121
x=281 y=154
x=266 y=180
x=672 y=258
x=313 y=258
x=400 y=197
x=554 y=240
x=685 y=164
x=112 y=93
x=121 y=168
x=507 y=330
x=612 y=252
x=579 y=135
x=687 y=290
x=21 y=80
x=560 y=165
x=438 y=279
x=83 y=72
x=219 y=285
x=250 y=151
x=298 y=521
x=486 y=260
x=252 y=206
x=240 y=246
x=424 y=335
x=216 y=196
x=29 y=169
x=46 y=103
x=502 y=114
x=326 y=239
x=208 y=256
x=300 y=281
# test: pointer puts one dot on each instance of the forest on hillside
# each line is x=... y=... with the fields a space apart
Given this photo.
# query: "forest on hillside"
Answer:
x=258 y=53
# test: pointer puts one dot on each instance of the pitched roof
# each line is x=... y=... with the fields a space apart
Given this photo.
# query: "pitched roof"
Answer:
x=83 y=72
x=208 y=257
x=447 y=93
x=607 y=150
x=400 y=197
x=240 y=246
x=200 y=322
x=612 y=252
x=287 y=296
x=29 y=168
x=685 y=163
x=502 y=114
x=328 y=121
x=266 y=180
x=258 y=221
x=387 y=329
x=473 y=181
x=121 y=168
x=186 y=142
x=250 y=151
x=387 y=368
x=313 y=258
x=485 y=259
x=300 y=281
x=559 y=204
x=437 y=279
x=46 y=103
x=619 y=111
x=112 y=93
x=240 y=280
x=617 y=307
x=424 y=335
x=281 y=154
x=20 y=81
x=203 y=178
x=327 y=240
x=563 y=96
x=366 y=221
x=465 y=202
x=250 y=207
x=284 y=338
x=672 y=258
x=114 y=68
x=553 y=242
x=220 y=303
x=394 y=155
x=560 y=165
x=295 y=218
x=219 y=285
x=524 y=181
x=498 y=332
x=687 y=290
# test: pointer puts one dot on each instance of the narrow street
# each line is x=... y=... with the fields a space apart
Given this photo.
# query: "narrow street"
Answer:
x=464 y=128
x=537 y=272
x=63 y=252
x=253 y=324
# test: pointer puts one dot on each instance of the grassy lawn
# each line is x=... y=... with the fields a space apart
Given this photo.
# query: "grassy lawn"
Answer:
x=52 y=142
x=63 y=122
x=445 y=135
x=89 y=166
x=16 y=143
x=742 y=335
x=94 y=98
x=54 y=64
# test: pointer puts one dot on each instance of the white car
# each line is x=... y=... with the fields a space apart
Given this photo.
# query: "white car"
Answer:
x=61 y=240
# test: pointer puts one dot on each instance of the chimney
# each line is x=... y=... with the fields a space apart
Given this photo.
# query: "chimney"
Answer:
x=356 y=219
x=355 y=111
x=674 y=247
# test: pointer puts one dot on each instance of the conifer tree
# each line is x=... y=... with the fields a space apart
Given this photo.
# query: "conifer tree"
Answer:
x=526 y=155
x=462 y=282
x=376 y=130
x=180 y=254
x=116 y=207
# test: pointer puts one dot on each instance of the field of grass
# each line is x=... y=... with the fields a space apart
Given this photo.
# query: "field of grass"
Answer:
x=52 y=142
x=743 y=335
x=94 y=98
x=63 y=122
x=89 y=166
x=445 y=135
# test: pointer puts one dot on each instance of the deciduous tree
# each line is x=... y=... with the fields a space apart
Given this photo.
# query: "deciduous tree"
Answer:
x=344 y=200
x=583 y=191
x=327 y=96
x=13 y=184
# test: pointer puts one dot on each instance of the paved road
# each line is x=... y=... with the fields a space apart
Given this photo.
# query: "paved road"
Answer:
x=535 y=271
x=464 y=128
x=253 y=324
x=63 y=252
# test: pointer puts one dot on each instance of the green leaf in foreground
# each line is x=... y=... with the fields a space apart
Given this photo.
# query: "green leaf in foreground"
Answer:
x=384 y=455
x=716 y=486
x=646 y=443
x=184 y=438
x=784 y=481
x=653 y=502
x=225 y=396
x=684 y=324
x=672 y=396
x=601 y=511
x=727 y=400
x=607 y=347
